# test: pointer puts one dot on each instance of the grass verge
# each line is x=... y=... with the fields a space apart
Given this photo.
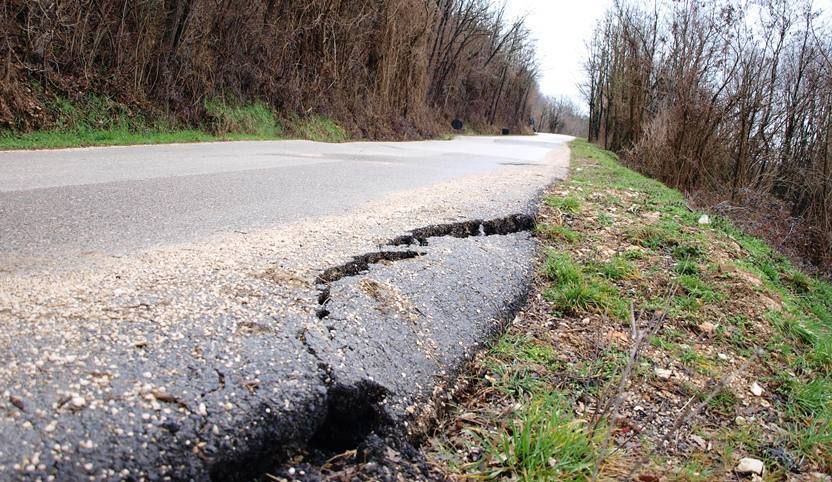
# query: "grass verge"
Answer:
x=657 y=345
x=100 y=121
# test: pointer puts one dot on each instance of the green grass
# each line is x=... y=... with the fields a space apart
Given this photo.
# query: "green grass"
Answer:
x=575 y=291
x=545 y=443
x=560 y=267
x=99 y=137
x=697 y=288
x=318 y=128
x=724 y=401
x=632 y=254
x=538 y=438
x=101 y=121
x=604 y=219
x=804 y=326
x=660 y=342
x=567 y=204
x=531 y=434
x=618 y=268
x=601 y=370
x=513 y=379
x=254 y=120
x=527 y=350
x=589 y=297
x=685 y=251
x=557 y=232
x=811 y=399
x=687 y=267
x=653 y=237
x=695 y=471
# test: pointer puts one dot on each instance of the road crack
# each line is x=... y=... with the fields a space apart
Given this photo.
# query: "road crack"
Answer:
x=360 y=265
x=514 y=223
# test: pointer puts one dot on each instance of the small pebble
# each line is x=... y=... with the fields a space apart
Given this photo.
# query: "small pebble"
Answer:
x=750 y=466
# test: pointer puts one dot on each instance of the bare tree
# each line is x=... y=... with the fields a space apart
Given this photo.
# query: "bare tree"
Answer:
x=380 y=67
x=729 y=97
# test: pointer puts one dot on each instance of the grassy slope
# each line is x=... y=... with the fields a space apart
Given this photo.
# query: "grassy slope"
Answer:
x=632 y=285
x=99 y=121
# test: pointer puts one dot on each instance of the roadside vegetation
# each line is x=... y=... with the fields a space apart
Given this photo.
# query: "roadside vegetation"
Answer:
x=729 y=102
x=660 y=343
x=101 y=121
x=199 y=70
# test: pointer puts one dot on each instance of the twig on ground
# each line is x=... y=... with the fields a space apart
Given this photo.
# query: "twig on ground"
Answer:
x=690 y=413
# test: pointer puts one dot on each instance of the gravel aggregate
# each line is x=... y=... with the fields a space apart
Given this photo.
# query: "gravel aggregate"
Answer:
x=209 y=359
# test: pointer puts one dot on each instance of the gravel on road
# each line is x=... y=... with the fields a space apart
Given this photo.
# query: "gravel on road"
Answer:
x=213 y=358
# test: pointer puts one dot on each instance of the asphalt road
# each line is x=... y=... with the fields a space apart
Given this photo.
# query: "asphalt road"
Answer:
x=199 y=312
x=66 y=204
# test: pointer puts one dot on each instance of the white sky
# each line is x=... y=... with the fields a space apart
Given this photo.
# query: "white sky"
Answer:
x=561 y=29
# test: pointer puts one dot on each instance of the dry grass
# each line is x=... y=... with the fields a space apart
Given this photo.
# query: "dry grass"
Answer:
x=391 y=69
x=663 y=393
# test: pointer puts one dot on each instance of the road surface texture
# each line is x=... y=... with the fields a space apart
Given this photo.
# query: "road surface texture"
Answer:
x=196 y=312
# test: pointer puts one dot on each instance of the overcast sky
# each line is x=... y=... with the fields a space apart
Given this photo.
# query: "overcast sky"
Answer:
x=562 y=29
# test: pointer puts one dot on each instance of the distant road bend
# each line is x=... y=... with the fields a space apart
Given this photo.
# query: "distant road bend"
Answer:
x=187 y=312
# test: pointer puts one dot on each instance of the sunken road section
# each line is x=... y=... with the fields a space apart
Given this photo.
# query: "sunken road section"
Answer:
x=369 y=350
x=394 y=326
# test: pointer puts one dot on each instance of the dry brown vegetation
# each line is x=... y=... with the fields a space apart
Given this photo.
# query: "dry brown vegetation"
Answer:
x=560 y=116
x=380 y=68
x=729 y=101
x=656 y=346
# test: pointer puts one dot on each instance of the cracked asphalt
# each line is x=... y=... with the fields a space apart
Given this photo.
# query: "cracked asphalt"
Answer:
x=162 y=306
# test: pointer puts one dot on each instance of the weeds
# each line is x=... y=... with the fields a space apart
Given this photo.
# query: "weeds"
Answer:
x=575 y=291
x=618 y=268
x=697 y=288
x=101 y=121
x=318 y=128
x=251 y=121
x=601 y=342
x=545 y=443
x=557 y=232
x=568 y=204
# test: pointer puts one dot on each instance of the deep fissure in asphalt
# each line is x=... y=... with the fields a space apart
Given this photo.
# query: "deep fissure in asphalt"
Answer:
x=355 y=412
x=514 y=223
x=361 y=264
